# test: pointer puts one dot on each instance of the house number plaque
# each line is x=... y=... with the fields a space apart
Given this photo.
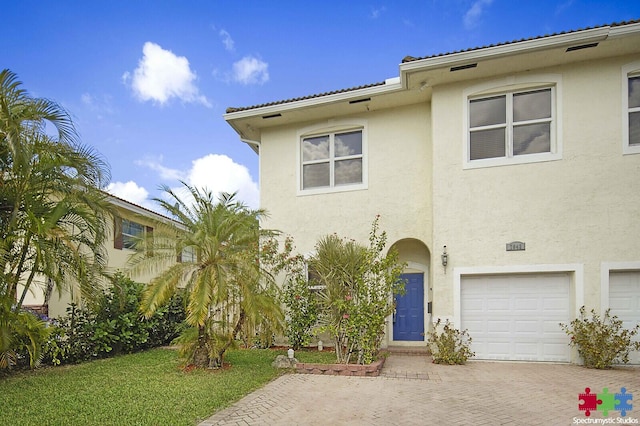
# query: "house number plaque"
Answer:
x=515 y=246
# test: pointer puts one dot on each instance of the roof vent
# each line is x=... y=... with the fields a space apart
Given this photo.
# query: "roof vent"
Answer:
x=463 y=67
x=582 y=46
x=265 y=117
x=357 y=101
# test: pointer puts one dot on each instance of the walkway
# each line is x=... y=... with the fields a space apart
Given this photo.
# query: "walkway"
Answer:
x=413 y=391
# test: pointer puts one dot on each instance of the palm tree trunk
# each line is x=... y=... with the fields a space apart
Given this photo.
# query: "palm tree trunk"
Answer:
x=201 y=354
x=217 y=362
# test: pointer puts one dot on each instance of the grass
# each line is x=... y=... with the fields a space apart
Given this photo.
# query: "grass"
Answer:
x=147 y=388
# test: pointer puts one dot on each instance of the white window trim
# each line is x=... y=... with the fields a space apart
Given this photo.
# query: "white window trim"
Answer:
x=332 y=126
x=605 y=275
x=508 y=85
x=628 y=70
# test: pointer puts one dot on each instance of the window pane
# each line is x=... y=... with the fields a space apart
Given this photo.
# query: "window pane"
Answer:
x=132 y=228
x=487 y=144
x=315 y=175
x=532 y=105
x=348 y=144
x=315 y=148
x=634 y=128
x=485 y=112
x=532 y=139
x=348 y=171
x=634 y=92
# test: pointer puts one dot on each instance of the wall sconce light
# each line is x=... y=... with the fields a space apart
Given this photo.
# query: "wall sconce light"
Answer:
x=445 y=257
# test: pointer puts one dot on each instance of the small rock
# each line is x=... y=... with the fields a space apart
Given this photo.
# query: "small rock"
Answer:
x=282 y=361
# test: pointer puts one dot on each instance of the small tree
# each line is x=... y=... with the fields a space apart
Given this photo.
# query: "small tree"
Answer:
x=226 y=285
x=358 y=283
x=601 y=342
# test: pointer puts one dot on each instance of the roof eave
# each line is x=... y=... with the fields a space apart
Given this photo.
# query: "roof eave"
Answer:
x=390 y=85
x=526 y=46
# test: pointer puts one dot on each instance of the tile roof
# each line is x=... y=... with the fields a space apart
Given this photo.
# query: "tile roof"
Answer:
x=286 y=101
x=617 y=24
x=412 y=59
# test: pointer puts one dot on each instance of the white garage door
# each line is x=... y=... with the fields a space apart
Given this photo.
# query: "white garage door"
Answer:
x=516 y=317
x=624 y=301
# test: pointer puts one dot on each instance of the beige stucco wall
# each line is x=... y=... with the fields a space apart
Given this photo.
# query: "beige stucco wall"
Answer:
x=117 y=261
x=582 y=209
x=399 y=183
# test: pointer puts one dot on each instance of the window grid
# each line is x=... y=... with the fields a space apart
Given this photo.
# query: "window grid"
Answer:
x=634 y=110
x=331 y=160
x=510 y=124
x=132 y=232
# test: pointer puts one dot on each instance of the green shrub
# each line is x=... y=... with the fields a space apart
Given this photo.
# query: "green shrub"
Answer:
x=601 y=342
x=302 y=311
x=112 y=325
x=451 y=346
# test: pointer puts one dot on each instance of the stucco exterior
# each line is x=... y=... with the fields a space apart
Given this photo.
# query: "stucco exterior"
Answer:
x=117 y=258
x=575 y=207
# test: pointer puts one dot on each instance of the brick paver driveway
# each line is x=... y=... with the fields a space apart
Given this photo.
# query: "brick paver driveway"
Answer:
x=413 y=391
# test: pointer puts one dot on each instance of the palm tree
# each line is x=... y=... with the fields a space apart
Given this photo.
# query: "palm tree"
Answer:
x=226 y=286
x=52 y=213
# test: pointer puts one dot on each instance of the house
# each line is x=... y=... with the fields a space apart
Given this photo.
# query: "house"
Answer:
x=507 y=176
x=129 y=224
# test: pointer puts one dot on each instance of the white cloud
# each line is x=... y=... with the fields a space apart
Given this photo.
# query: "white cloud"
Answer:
x=217 y=173
x=100 y=105
x=228 y=42
x=165 y=173
x=131 y=192
x=250 y=70
x=375 y=13
x=474 y=14
x=161 y=75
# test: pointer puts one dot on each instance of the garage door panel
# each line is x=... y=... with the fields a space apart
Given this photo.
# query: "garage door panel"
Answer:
x=521 y=316
x=529 y=327
x=624 y=302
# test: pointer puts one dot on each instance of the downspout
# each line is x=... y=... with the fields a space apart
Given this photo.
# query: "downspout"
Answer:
x=255 y=145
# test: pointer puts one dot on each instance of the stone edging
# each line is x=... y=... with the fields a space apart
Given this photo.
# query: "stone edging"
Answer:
x=370 y=370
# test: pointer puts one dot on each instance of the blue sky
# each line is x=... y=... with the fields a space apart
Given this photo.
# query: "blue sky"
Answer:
x=147 y=82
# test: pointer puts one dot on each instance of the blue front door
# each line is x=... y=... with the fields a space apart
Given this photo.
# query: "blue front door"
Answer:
x=408 y=320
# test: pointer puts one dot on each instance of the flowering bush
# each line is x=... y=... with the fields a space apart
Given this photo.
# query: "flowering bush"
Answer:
x=601 y=342
x=452 y=346
x=302 y=311
x=354 y=302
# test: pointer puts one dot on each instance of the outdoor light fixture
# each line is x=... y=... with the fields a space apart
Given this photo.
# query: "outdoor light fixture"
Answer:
x=445 y=257
x=290 y=353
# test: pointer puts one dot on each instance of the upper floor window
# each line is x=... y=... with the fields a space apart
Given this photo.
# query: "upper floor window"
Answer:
x=632 y=113
x=332 y=160
x=132 y=233
x=513 y=126
x=128 y=234
x=188 y=254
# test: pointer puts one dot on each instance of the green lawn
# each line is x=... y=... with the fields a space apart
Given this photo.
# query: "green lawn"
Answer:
x=147 y=388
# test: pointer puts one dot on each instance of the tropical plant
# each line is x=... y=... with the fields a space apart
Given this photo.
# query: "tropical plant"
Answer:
x=225 y=285
x=355 y=300
x=601 y=341
x=112 y=325
x=449 y=346
x=298 y=298
x=52 y=214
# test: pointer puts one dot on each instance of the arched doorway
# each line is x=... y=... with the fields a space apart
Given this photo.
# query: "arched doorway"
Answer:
x=410 y=320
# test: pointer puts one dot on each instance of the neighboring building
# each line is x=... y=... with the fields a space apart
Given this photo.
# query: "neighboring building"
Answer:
x=520 y=161
x=130 y=224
